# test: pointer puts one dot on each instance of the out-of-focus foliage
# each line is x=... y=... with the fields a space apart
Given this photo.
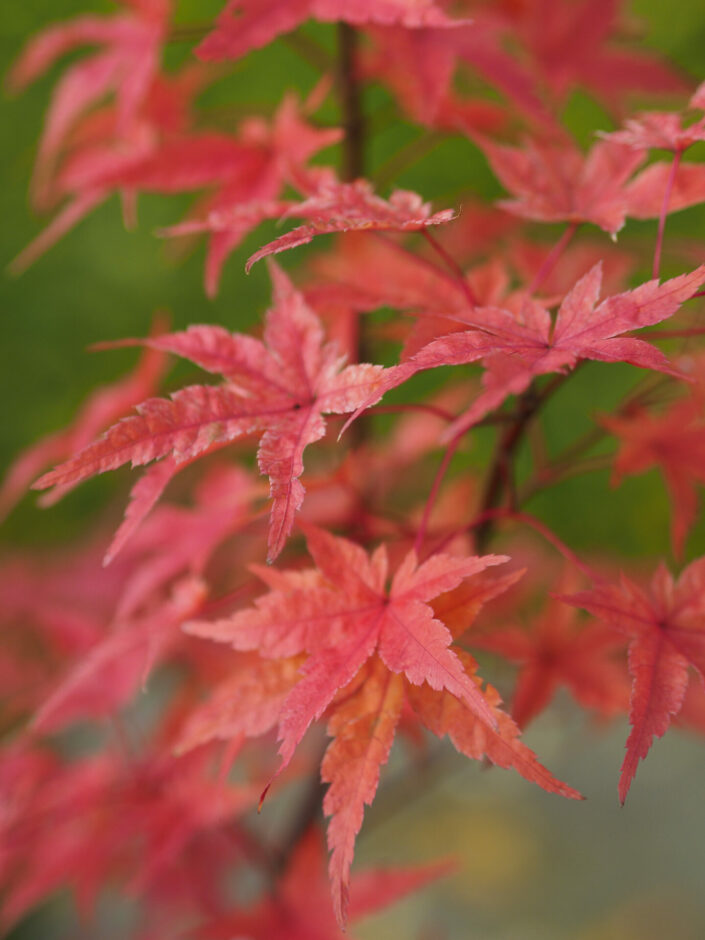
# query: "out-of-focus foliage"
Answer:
x=527 y=867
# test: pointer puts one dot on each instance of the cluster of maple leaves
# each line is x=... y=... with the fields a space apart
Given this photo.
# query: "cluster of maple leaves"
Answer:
x=367 y=627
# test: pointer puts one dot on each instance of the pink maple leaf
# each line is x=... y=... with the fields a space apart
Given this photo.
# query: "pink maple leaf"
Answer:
x=578 y=44
x=144 y=824
x=346 y=207
x=280 y=388
x=248 y=194
x=418 y=65
x=556 y=183
x=645 y=193
x=558 y=651
x=665 y=629
x=126 y=65
x=517 y=347
x=102 y=157
x=673 y=441
x=656 y=130
x=108 y=674
x=250 y=24
x=369 y=647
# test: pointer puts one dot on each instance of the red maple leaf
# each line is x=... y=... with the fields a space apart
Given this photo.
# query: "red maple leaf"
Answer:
x=556 y=183
x=281 y=388
x=673 y=441
x=126 y=65
x=574 y=44
x=685 y=186
x=418 y=65
x=244 y=173
x=102 y=156
x=250 y=24
x=299 y=908
x=698 y=98
x=558 y=651
x=658 y=130
x=517 y=347
x=145 y=824
x=423 y=89
x=353 y=207
x=398 y=278
x=368 y=647
x=108 y=674
x=342 y=615
x=666 y=631
x=246 y=704
x=278 y=153
x=483 y=47
x=663 y=187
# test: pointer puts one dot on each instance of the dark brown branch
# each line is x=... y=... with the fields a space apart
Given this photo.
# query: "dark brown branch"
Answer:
x=353 y=120
x=501 y=476
x=500 y=469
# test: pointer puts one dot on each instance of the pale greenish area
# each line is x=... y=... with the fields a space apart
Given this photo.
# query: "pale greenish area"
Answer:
x=535 y=866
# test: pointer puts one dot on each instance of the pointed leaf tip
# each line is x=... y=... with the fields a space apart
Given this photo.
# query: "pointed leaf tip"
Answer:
x=263 y=796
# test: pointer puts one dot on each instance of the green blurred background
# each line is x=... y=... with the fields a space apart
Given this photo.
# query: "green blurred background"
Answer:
x=533 y=866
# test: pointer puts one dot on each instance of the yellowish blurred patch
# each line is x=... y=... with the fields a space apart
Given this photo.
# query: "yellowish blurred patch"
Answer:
x=648 y=918
x=495 y=849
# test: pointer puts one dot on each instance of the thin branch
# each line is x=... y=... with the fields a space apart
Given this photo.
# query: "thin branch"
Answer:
x=543 y=530
x=551 y=260
x=500 y=467
x=560 y=468
x=584 y=443
x=501 y=478
x=407 y=156
x=664 y=211
x=512 y=515
x=353 y=155
x=419 y=260
x=453 y=265
x=559 y=471
x=436 y=485
x=676 y=334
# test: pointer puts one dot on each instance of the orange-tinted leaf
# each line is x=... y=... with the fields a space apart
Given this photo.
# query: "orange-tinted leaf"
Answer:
x=363 y=727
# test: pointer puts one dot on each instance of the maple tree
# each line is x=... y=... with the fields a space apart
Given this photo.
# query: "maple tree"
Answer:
x=397 y=589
